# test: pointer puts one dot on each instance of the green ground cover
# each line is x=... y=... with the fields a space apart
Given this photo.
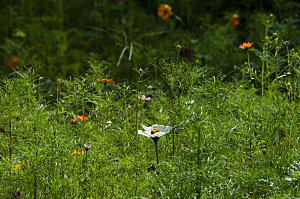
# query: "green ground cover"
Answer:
x=80 y=79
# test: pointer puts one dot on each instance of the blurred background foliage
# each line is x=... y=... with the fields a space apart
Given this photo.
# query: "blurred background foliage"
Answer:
x=58 y=38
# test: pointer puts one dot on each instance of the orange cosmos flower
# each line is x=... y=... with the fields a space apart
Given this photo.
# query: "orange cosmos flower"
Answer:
x=246 y=45
x=17 y=167
x=104 y=80
x=79 y=118
x=76 y=152
x=234 y=20
x=20 y=166
x=164 y=11
x=14 y=62
x=40 y=45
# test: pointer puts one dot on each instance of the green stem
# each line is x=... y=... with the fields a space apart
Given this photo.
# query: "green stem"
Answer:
x=262 y=74
x=199 y=165
x=10 y=138
x=265 y=64
x=57 y=101
x=250 y=70
x=102 y=121
x=276 y=55
x=86 y=168
x=289 y=67
x=137 y=112
x=86 y=157
x=172 y=99
x=156 y=150
x=249 y=65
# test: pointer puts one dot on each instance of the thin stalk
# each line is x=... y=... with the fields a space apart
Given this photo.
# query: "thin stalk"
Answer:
x=264 y=56
x=57 y=101
x=199 y=165
x=290 y=139
x=35 y=177
x=83 y=106
x=86 y=163
x=262 y=74
x=102 y=121
x=156 y=150
x=9 y=143
x=138 y=112
x=250 y=146
x=276 y=55
x=250 y=70
x=86 y=159
x=289 y=67
x=77 y=135
x=10 y=139
x=136 y=120
x=173 y=119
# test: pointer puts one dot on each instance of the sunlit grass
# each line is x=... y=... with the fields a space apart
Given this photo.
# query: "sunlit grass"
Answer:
x=228 y=141
x=82 y=81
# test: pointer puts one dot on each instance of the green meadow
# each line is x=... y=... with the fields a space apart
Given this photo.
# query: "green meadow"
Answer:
x=149 y=99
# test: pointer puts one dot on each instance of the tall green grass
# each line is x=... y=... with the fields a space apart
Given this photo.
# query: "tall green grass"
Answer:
x=227 y=140
x=234 y=112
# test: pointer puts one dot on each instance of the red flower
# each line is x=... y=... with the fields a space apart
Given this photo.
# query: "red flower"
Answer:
x=79 y=118
x=40 y=45
x=14 y=62
x=104 y=80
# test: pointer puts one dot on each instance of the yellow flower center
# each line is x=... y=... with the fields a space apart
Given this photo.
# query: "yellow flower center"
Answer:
x=155 y=130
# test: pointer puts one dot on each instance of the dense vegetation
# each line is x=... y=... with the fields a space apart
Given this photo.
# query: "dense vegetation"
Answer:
x=81 y=79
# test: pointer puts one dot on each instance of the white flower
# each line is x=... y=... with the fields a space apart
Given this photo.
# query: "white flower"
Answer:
x=108 y=124
x=40 y=106
x=155 y=131
x=290 y=179
x=190 y=102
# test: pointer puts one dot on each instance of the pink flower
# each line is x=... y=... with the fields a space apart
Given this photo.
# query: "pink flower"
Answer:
x=144 y=97
x=18 y=195
x=87 y=147
x=130 y=108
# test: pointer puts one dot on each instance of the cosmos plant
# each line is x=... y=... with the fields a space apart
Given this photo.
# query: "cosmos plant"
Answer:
x=155 y=132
